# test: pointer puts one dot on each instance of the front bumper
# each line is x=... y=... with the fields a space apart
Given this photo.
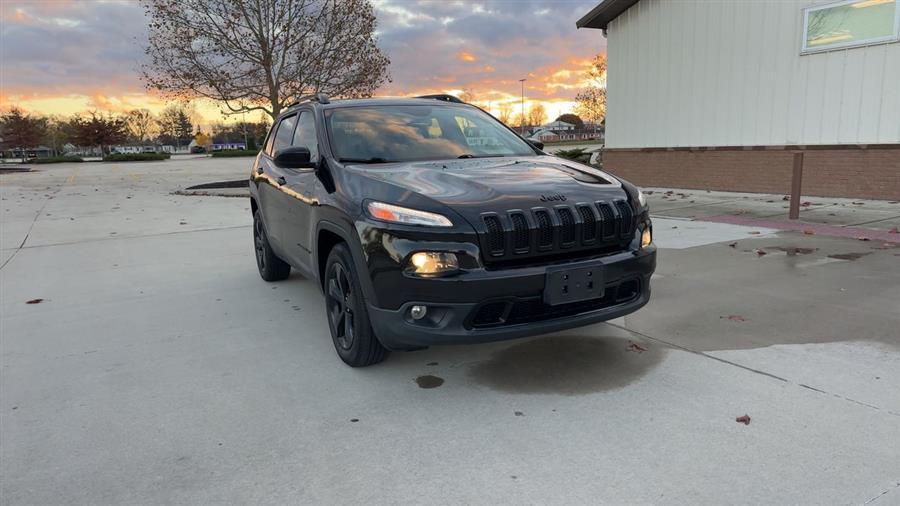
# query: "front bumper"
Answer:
x=512 y=299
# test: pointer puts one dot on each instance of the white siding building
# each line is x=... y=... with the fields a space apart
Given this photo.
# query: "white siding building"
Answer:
x=689 y=76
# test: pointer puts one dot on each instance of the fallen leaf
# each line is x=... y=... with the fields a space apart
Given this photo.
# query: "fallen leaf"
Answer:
x=809 y=231
x=734 y=318
x=863 y=239
x=755 y=232
x=518 y=413
x=743 y=419
x=733 y=245
x=35 y=301
x=786 y=198
x=805 y=204
x=636 y=348
x=759 y=252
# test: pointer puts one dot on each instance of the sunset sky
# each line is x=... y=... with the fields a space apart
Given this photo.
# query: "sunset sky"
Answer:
x=64 y=56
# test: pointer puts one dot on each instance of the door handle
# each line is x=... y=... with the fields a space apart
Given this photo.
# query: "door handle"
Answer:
x=281 y=181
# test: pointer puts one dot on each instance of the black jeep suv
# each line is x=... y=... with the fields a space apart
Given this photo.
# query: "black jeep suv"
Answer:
x=427 y=221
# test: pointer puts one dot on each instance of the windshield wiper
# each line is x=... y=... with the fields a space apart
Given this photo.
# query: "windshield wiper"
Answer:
x=374 y=159
x=470 y=155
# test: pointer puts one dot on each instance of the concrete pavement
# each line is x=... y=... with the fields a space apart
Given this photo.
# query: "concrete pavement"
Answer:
x=159 y=368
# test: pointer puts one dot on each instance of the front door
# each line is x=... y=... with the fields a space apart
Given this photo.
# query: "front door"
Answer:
x=301 y=186
x=272 y=201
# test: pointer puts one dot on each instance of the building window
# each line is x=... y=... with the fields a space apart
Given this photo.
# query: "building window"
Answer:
x=850 y=23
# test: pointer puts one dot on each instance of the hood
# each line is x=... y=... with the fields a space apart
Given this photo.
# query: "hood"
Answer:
x=475 y=186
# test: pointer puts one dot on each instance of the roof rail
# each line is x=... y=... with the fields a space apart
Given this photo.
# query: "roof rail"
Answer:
x=444 y=97
x=318 y=97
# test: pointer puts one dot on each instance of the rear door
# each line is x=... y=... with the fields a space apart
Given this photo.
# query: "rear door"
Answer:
x=301 y=188
x=274 y=205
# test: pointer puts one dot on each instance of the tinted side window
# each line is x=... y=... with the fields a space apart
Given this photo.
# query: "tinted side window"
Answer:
x=283 y=134
x=305 y=135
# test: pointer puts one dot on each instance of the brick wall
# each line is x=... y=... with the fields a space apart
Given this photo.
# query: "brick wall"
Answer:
x=829 y=172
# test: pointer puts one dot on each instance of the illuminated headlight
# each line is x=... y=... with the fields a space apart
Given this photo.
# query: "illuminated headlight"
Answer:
x=646 y=238
x=405 y=216
x=642 y=199
x=432 y=263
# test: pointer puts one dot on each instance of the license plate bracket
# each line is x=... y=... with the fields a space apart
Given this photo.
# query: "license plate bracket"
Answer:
x=564 y=285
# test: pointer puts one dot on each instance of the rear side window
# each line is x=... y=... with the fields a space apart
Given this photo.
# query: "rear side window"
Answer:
x=284 y=134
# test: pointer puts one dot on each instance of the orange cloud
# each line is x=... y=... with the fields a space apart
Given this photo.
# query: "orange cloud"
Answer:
x=466 y=56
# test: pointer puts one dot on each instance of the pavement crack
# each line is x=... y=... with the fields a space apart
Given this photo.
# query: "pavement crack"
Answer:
x=126 y=237
x=883 y=493
x=702 y=354
x=30 y=227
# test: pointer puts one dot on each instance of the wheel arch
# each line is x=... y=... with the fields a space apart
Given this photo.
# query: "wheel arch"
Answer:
x=328 y=234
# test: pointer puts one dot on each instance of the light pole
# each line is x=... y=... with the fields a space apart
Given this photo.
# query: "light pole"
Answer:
x=523 y=106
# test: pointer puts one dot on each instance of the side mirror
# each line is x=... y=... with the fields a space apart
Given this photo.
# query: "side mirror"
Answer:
x=537 y=144
x=293 y=158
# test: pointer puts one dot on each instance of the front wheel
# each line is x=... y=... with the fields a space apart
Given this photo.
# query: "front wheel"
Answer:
x=348 y=318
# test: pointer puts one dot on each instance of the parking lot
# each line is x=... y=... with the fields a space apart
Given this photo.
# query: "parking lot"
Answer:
x=155 y=366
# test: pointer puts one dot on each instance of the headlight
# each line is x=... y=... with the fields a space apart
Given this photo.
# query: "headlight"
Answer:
x=642 y=198
x=430 y=263
x=646 y=238
x=397 y=214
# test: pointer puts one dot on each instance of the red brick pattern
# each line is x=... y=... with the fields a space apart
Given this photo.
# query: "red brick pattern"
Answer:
x=856 y=173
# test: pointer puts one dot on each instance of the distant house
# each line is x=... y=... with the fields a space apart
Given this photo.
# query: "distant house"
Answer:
x=135 y=148
x=559 y=126
x=562 y=131
x=36 y=152
x=217 y=145
x=723 y=95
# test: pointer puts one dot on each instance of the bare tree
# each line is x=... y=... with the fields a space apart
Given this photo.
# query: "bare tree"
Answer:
x=537 y=115
x=506 y=113
x=141 y=124
x=263 y=54
x=467 y=95
x=175 y=126
x=591 y=102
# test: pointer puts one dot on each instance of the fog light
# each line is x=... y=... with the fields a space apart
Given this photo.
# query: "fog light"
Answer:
x=646 y=239
x=433 y=262
x=418 y=312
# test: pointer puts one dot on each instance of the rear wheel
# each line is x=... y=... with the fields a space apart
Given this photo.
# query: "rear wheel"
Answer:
x=271 y=268
x=348 y=319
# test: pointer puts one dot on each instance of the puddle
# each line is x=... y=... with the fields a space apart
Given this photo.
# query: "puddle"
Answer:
x=567 y=365
x=850 y=256
x=429 y=381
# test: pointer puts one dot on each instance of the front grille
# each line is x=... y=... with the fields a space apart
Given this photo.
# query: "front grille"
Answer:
x=520 y=232
x=494 y=235
x=533 y=309
x=588 y=224
x=566 y=227
x=515 y=236
x=545 y=229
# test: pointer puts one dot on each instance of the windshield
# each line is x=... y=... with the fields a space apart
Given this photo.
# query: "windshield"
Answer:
x=405 y=133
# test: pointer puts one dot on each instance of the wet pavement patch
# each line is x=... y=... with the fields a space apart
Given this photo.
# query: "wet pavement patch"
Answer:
x=850 y=256
x=429 y=381
x=567 y=365
x=795 y=250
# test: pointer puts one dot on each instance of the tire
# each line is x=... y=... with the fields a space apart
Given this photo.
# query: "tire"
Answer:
x=348 y=319
x=271 y=268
